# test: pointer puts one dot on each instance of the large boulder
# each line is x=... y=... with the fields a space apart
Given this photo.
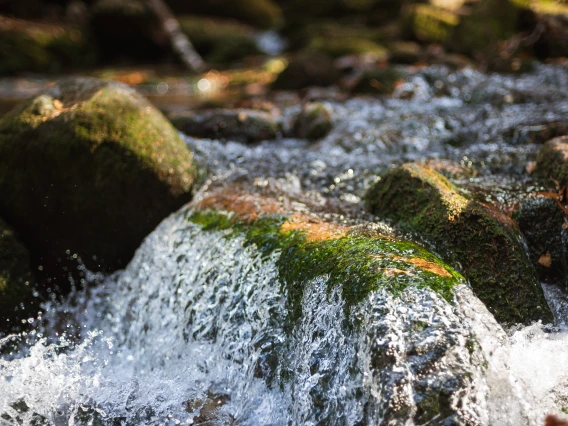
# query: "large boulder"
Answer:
x=468 y=233
x=16 y=278
x=90 y=167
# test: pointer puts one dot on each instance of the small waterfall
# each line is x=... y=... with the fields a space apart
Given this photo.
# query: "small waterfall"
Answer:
x=199 y=316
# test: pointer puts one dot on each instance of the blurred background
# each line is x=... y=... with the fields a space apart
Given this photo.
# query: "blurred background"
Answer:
x=251 y=48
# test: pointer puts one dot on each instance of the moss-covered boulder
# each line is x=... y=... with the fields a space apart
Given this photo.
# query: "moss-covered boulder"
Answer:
x=552 y=161
x=311 y=247
x=378 y=81
x=16 y=278
x=244 y=125
x=220 y=40
x=314 y=121
x=307 y=69
x=481 y=240
x=542 y=220
x=32 y=47
x=89 y=167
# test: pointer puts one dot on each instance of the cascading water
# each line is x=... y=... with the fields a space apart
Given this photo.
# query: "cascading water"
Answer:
x=197 y=329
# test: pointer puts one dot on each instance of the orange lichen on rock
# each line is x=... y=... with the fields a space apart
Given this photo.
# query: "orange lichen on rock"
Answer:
x=248 y=207
x=315 y=228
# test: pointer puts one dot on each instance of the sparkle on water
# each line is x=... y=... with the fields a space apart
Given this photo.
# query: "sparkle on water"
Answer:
x=196 y=330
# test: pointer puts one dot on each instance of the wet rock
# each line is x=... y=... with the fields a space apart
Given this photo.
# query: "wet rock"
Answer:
x=89 y=167
x=245 y=125
x=305 y=70
x=537 y=133
x=314 y=121
x=378 y=81
x=220 y=40
x=542 y=220
x=32 y=47
x=552 y=161
x=209 y=410
x=16 y=277
x=382 y=306
x=483 y=241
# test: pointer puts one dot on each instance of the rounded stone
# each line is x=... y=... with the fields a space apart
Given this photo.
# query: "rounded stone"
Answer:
x=90 y=167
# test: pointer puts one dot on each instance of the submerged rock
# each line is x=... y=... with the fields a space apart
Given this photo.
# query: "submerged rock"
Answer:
x=483 y=241
x=245 y=125
x=552 y=161
x=542 y=220
x=314 y=121
x=16 y=277
x=89 y=167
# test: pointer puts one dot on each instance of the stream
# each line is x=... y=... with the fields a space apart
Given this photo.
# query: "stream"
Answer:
x=198 y=328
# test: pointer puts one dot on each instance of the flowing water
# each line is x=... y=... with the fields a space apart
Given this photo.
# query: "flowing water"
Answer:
x=197 y=329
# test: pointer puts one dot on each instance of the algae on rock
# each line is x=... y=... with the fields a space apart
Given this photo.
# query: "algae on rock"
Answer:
x=466 y=233
x=89 y=167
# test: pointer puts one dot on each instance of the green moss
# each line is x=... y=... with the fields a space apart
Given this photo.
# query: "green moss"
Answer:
x=484 y=242
x=360 y=264
x=91 y=167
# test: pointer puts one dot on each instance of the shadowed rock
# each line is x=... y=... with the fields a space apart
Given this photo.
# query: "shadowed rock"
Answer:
x=89 y=167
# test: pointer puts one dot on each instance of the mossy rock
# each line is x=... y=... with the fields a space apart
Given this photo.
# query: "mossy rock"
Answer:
x=483 y=241
x=378 y=81
x=337 y=47
x=311 y=248
x=552 y=161
x=542 y=220
x=468 y=29
x=244 y=125
x=314 y=121
x=90 y=167
x=28 y=46
x=220 y=40
x=307 y=69
x=428 y=23
x=16 y=278
x=259 y=13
